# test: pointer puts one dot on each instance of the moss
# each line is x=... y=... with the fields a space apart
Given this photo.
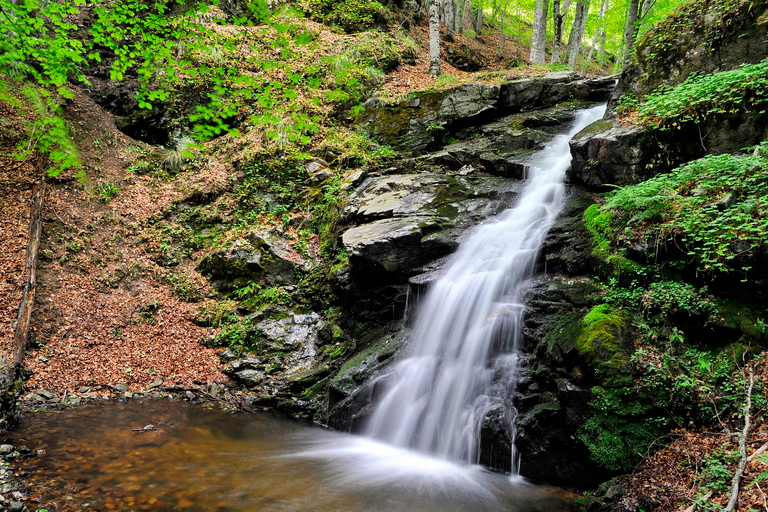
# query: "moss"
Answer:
x=742 y=317
x=601 y=342
x=595 y=128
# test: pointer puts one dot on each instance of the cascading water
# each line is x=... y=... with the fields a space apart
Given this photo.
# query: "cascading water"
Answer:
x=463 y=356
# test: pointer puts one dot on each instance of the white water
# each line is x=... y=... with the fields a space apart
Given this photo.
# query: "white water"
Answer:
x=463 y=356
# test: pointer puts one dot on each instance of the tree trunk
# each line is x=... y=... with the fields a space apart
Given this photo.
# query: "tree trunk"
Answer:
x=458 y=15
x=478 y=21
x=577 y=33
x=448 y=17
x=539 y=39
x=434 y=38
x=598 y=36
x=630 y=29
x=558 y=18
x=601 y=49
x=502 y=39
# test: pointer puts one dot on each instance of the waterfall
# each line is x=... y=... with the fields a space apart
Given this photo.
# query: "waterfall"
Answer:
x=462 y=359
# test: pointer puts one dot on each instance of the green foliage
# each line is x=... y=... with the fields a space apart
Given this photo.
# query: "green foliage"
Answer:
x=346 y=15
x=256 y=296
x=699 y=387
x=701 y=96
x=619 y=434
x=47 y=131
x=38 y=42
x=659 y=299
x=712 y=207
x=717 y=471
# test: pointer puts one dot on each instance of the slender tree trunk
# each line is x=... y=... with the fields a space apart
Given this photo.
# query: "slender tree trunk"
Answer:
x=434 y=38
x=601 y=49
x=458 y=15
x=478 y=21
x=645 y=10
x=577 y=33
x=558 y=18
x=539 y=39
x=630 y=29
x=448 y=16
x=502 y=39
x=598 y=35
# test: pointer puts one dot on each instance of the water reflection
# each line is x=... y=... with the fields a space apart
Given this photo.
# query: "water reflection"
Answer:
x=200 y=459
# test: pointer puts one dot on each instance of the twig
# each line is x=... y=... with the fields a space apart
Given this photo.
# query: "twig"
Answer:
x=742 y=448
x=693 y=507
x=757 y=452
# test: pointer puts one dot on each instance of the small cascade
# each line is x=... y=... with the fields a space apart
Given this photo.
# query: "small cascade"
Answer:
x=463 y=358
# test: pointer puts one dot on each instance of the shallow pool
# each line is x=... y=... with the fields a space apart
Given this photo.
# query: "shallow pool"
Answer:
x=101 y=457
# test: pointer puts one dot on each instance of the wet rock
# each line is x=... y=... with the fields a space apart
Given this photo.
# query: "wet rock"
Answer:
x=44 y=394
x=354 y=389
x=190 y=395
x=245 y=363
x=411 y=219
x=426 y=118
x=16 y=506
x=605 y=153
x=389 y=246
x=121 y=387
x=227 y=355
x=158 y=383
x=152 y=437
x=6 y=449
x=496 y=438
x=249 y=378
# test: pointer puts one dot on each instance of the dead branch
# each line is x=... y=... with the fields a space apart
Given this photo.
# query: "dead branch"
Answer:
x=693 y=507
x=742 y=448
x=758 y=452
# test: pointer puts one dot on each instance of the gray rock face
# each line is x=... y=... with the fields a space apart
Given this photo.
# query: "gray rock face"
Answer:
x=264 y=257
x=421 y=121
x=290 y=341
x=407 y=220
x=605 y=153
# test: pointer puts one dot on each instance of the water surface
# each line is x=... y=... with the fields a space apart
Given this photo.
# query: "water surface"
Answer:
x=206 y=460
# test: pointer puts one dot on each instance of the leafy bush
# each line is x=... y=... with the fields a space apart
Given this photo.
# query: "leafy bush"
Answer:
x=713 y=207
x=346 y=15
x=703 y=95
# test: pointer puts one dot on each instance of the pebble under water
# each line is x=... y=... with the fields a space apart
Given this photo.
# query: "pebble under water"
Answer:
x=205 y=460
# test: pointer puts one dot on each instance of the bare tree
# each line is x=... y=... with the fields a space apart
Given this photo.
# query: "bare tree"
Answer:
x=477 y=24
x=448 y=16
x=459 y=10
x=434 y=38
x=502 y=40
x=577 y=32
x=599 y=34
x=630 y=30
x=539 y=40
x=558 y=18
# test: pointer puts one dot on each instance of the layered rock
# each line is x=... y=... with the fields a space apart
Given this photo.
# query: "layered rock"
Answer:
x=424 y=119
x=703 y=37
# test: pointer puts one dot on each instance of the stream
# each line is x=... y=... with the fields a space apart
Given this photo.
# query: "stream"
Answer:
x=98 y=457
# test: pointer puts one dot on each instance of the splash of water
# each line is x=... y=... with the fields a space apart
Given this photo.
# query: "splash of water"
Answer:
x=464 y=354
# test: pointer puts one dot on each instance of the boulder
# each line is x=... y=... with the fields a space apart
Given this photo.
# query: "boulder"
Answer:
x=606 y=153
x=426 y=118
x=405 y=221
x=263 y=257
